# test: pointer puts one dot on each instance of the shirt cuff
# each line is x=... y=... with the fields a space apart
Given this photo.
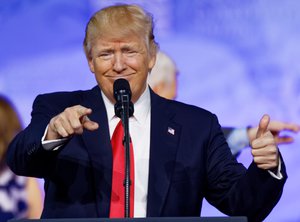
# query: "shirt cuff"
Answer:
x=238 y=140
x=52 y=144
x=278 y=174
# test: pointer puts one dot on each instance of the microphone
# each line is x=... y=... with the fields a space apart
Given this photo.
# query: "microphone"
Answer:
x=124 y=109
x=122 y=94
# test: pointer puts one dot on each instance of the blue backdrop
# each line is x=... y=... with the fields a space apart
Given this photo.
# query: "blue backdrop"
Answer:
x=237 y=58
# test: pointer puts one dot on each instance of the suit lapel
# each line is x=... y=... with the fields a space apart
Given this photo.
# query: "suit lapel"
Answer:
x=99 y=148
x=164 y=141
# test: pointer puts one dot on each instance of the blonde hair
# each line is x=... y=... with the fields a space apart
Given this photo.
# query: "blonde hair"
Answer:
x=10 y=125
x=118 y=21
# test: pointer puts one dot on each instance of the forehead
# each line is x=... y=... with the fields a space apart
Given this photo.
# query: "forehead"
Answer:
x=130 y=41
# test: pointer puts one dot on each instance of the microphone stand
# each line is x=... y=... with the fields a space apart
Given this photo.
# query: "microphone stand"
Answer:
x=126 y=142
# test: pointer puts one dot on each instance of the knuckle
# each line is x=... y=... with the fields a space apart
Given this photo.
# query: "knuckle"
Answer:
x=77 y=127
x=274 y=159
x=70 y=130
x=273 y=149
x=254 y=143
x=68 y=110
x=52 y=122
x=59 y=118
x=255 y=159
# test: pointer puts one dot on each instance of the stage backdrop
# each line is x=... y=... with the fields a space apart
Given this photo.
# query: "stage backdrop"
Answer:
x=238 y=59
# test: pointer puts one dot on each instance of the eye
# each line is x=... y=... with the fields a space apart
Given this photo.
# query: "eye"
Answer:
x=130 y=53
x=105 y=55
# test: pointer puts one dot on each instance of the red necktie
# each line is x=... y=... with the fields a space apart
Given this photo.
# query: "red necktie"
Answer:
x=117 y=201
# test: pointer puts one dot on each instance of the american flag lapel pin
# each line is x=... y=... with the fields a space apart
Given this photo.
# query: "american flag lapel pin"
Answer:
x=171 y=131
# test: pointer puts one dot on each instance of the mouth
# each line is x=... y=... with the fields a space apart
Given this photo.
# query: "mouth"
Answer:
x=121 y=76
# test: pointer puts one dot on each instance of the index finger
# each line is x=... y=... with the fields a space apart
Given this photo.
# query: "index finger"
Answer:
x=291 y=127
x=82 y=111
x=280 y=125
x=263 y=125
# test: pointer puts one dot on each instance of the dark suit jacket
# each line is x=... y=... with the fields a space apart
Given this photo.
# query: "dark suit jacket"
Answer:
x=193 y=163
x=227 y=131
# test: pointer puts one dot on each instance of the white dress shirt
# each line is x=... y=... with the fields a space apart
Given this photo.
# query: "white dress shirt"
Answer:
x=139 y=129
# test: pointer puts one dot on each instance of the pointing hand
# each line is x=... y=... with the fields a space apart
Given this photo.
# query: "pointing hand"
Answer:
x=71 y=121
x=264 y=149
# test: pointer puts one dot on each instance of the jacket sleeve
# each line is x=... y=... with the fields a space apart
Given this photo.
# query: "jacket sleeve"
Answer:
x=227 y=131
x=26 y=156
x=236 y=191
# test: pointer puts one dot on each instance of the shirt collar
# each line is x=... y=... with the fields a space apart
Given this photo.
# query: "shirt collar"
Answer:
x=141 y=107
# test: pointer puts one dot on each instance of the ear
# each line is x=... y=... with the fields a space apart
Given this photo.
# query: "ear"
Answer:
x=152 y=61
x=91 y=65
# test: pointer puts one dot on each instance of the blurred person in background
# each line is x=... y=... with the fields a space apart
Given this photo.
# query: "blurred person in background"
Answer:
x=20 y=197
x=163 y=81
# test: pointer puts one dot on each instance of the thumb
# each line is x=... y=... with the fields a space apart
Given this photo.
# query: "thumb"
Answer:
x=263 y=125
x=88 y=124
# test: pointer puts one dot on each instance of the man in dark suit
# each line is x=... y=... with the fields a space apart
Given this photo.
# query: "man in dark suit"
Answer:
x=180 y=153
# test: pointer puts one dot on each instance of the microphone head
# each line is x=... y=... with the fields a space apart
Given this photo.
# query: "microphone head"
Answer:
x=122 y=95
x=121 y=87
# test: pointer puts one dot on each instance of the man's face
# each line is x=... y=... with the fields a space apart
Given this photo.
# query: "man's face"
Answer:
x=127 y=58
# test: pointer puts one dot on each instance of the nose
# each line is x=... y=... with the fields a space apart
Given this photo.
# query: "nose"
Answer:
x=119 y=63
